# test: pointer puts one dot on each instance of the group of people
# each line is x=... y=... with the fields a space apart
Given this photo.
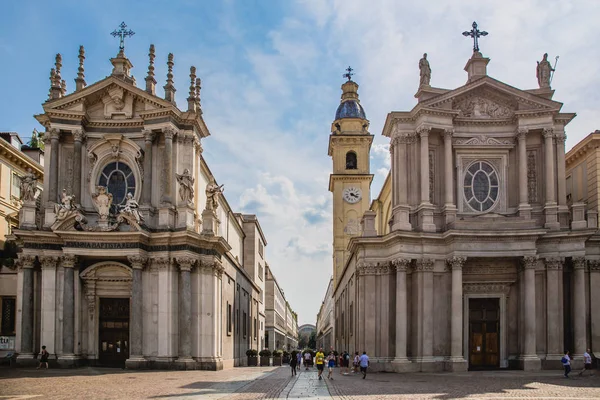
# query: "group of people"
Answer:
x=587 y=363
x=359 y=363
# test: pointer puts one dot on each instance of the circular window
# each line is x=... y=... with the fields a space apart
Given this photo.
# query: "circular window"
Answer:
x=119 y=180
x=481 y=186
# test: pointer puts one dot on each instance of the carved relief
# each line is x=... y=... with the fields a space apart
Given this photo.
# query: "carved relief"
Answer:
x=483 y=140
x=431 y=175
x=424 y=264
x=373 y=268
x=487 y=287
x=594 y=265
x=69 y=171
x=102 y=202
x=479 y=107
x=117 y=102
x=532 y=189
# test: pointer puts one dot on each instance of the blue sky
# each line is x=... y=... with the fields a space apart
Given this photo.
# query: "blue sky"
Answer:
x=271 y=74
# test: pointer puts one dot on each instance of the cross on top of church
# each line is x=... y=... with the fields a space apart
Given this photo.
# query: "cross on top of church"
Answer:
x=348 y=73
x=475 y=34
x=122 y=33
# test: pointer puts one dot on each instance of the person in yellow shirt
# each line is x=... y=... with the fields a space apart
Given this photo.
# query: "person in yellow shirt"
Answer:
x=320 y=361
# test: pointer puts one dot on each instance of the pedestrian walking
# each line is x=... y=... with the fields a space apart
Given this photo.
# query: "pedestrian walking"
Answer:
x=364 y=363
x=298 y=359
x=44 y=357
x=346 y=362
x=320 y=361
x=587 y=363
x=330 y=364
x=307 y=359
x=293 y=365
x=566 y=362
x=355 y=363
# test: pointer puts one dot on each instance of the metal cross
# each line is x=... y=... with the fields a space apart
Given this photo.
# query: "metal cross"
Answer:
x=475 y=34
x=348 y=74
x=122 y=33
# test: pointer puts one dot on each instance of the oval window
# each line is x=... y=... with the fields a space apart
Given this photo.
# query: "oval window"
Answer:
x=481 y=186
x=119 y=180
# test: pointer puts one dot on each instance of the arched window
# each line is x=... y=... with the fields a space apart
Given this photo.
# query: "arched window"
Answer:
x=351 y=160
x=481 y=186
x=119 y=180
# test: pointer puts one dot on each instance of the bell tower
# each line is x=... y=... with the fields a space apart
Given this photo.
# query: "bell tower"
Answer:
x=350 y=180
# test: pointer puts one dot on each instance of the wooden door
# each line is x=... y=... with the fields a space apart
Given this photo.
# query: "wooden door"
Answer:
x=484 y=333
x=114 y=332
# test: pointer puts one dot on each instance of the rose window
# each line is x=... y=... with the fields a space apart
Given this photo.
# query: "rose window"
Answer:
x=119 y=180
x=481 y=186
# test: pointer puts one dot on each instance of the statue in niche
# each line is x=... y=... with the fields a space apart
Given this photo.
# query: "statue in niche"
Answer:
x=131 y=208
x=66 y=206
x=186 y=186
x=102 y=201
x=425 y=70
x=544 y=72
x=28 y=186
x=212 y=194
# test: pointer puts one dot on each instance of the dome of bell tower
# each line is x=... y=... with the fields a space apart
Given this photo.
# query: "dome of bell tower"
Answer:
x=350 y=104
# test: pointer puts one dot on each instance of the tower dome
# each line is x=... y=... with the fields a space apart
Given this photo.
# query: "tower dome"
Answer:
x=350 y=104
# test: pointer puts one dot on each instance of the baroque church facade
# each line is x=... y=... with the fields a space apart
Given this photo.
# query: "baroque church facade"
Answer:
x=134 y=257
x=471 y=256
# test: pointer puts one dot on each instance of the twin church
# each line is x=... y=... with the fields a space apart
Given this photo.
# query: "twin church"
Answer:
x=474 y=254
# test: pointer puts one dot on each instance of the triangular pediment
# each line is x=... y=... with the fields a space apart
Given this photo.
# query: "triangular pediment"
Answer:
x=488 y=98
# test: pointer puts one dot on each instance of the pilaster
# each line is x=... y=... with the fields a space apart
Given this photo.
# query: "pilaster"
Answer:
x=424 y=270
x=25 y=325
x=554 y=304
x=48 y=315
x=457 y=360
x=401 y=362
x=136 y=359
x=400 y=207
x=524 y=206
x=594 y=266
x=550 y=207
x=185 y=360
x=579 y=307
x=449 y=204
x=529 y=359
x=68 y=358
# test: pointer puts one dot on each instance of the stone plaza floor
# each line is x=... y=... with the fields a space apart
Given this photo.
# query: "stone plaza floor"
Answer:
x=277 y=383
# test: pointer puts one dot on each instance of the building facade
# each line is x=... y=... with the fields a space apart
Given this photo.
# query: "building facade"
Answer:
x=135 y=257
x=20 y=165
x=326 y=320
x=281 y=321
x=471 y=256
x=304 y=333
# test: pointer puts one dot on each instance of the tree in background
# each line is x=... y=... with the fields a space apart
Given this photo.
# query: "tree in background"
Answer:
x=36 y=140
x=312 y=341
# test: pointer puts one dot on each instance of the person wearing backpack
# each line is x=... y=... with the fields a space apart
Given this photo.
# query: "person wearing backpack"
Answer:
x=566 y=362
x=346 y=363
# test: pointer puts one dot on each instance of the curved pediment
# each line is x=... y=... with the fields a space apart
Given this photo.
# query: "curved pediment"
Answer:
x=107 y=270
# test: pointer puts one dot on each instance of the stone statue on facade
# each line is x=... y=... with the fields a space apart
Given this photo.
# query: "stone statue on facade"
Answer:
x=131 y=208
x=28 y=186
x=212 y=194
x=102 y=201
x=65 y=207
x=186 y=186
x=544 y=72
x=425 y=70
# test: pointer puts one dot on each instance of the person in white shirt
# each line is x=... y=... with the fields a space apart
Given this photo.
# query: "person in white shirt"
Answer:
x=566 y=362
x=587 y=363
x=307 y=358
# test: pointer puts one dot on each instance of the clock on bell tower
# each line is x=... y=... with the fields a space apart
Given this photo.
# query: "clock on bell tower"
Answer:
x=350 y=181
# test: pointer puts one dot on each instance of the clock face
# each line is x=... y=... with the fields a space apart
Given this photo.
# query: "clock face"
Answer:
x=352 y=195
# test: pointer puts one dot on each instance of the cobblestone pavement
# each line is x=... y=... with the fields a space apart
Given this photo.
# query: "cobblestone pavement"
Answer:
x=467 y=385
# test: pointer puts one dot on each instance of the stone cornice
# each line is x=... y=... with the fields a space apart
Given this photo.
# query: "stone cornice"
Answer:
x=12 y=155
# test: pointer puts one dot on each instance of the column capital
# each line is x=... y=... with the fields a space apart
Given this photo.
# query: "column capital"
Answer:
x=137 y=262
x=553 y=263
x=522 y=134
x=198 y=146
x=25 y=261
x=402 y=138
x=68 y=261
x=448 y=133
x=529 y=262
x=186 y=263
x=424 y=264
x=169 y=132
x=423 y=131
x=214 y=267
x=560 y=138
x=456 y=263
x=48 y=262
x=51 y=134
x=79 y=135
x=579 y=262
x=401 y=264
x=548 y=133
x=594 y=265
x=148 y=135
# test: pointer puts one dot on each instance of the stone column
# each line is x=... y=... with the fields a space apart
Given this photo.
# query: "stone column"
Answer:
x=68 y=332
x=561 y=169
x=549 y=164
x=524 y=208
x=425 y=267
x=168 y=166
x=400 y=208
x=54 y=135
x=147 y=188
x=25 y=265
x=456 y=322
x=595 y=303
x=424 y=134
x=78 y=138
x=185 y=309
x=401 y=265
x=529 y=357
x=48 y=315
x=210 y=315
x=167 y=311
x=136 y=356
x=448 y=173
x=579 y=307
x=554 y=304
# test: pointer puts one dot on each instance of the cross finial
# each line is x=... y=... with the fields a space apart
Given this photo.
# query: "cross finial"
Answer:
x=122 y=33
x=475 y=34
x=348 y=73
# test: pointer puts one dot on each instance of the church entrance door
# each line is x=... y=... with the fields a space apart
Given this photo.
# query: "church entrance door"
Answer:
x=484 y=333
x=114 y=332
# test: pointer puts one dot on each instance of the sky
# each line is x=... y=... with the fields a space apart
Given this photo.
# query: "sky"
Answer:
x=271 y=74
